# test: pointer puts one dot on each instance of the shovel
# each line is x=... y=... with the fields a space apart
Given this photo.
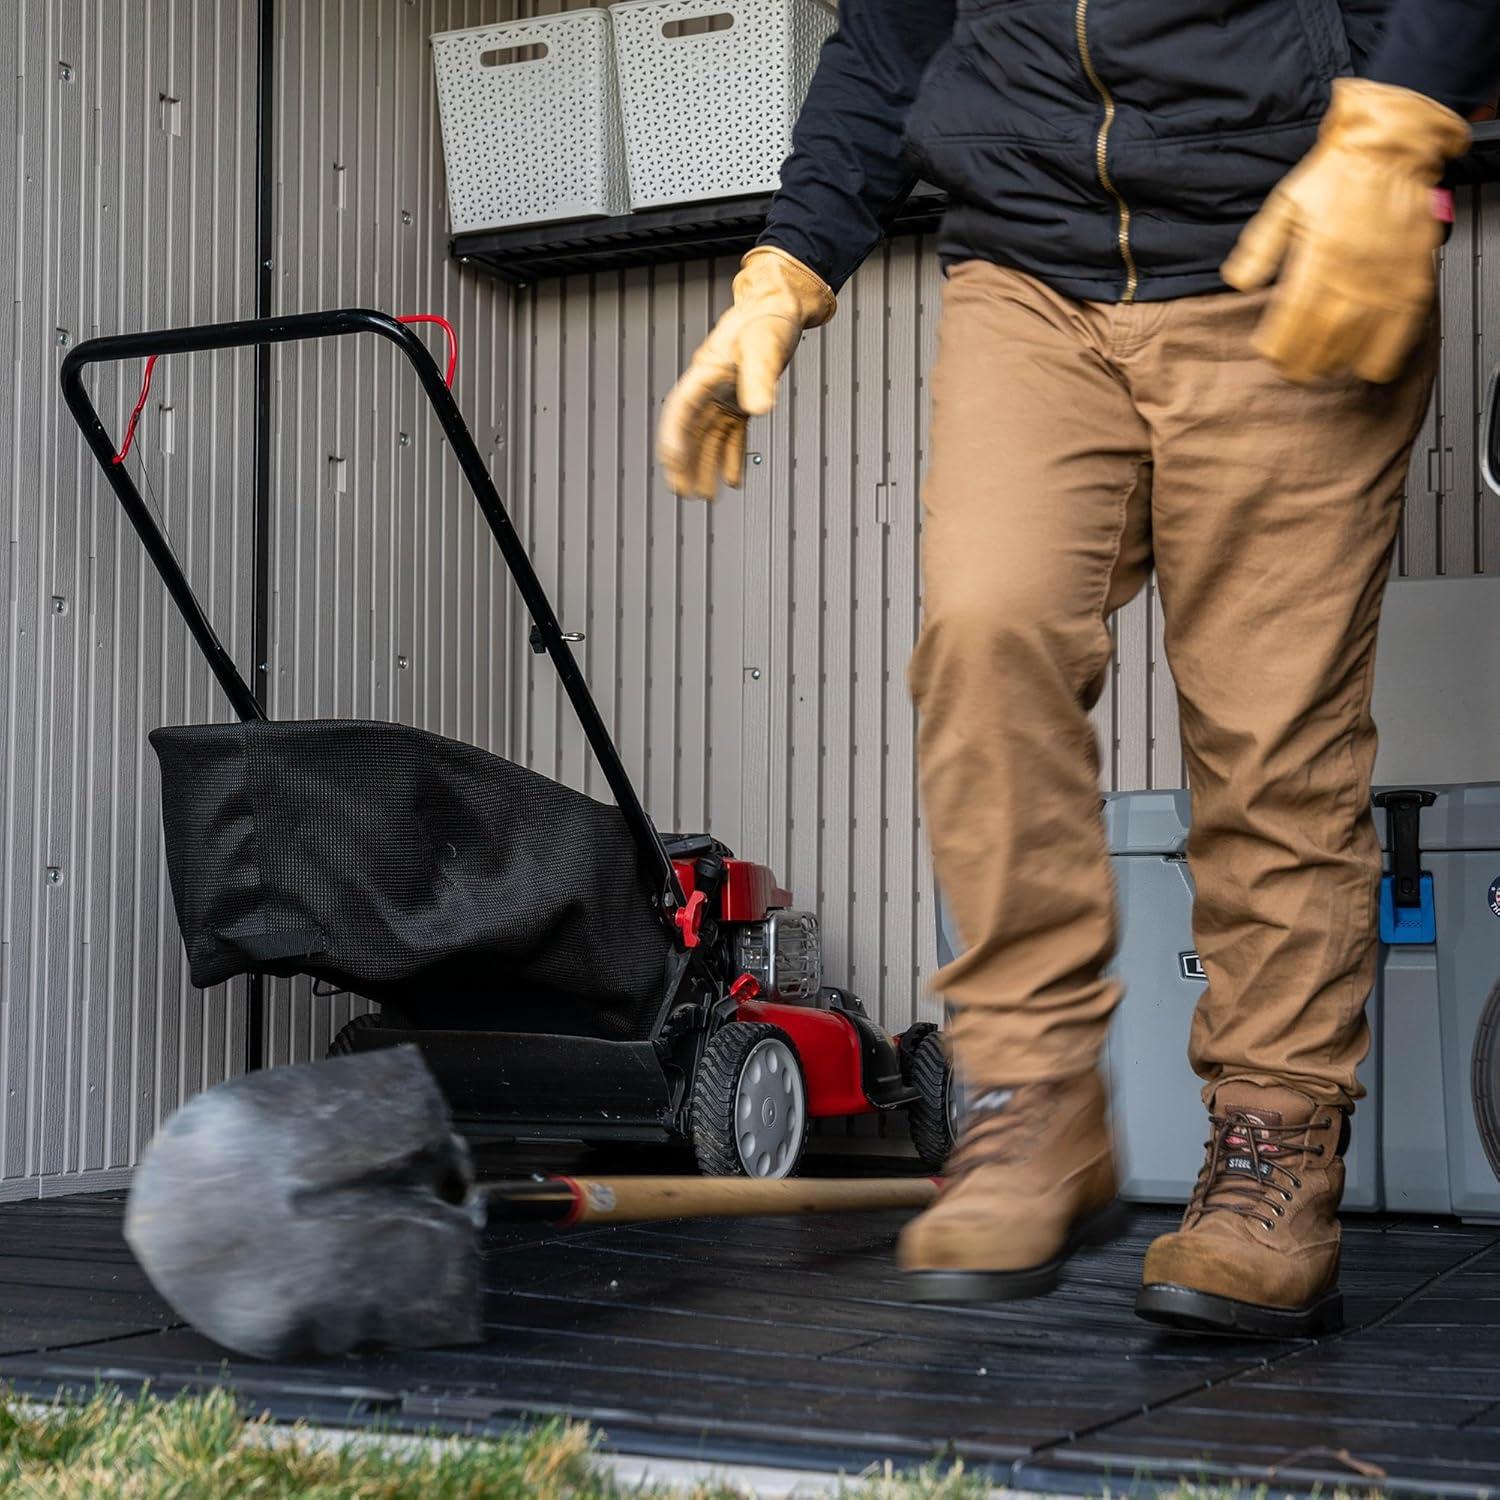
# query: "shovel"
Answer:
x=313 y=1210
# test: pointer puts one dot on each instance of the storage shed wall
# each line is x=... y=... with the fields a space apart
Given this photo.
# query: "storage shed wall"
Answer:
x=386 y=596
x=129 y=193
x=133 y=189
x=750 y=654
x=753 y=651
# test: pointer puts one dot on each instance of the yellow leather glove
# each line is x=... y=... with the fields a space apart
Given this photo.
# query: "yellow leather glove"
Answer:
x=1352 y=230
x=733 y=375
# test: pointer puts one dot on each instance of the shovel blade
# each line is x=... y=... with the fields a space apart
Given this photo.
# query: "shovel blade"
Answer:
x=313 y=1210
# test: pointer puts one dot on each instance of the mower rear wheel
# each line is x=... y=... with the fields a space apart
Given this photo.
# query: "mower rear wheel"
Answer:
x=343 y=1042
x=933 y=1115
x=749 y=1111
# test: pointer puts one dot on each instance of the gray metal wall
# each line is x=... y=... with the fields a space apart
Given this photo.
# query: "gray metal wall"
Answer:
x=753 y=651
x=123 y=210
x=131 y=189
x=750 y=654
x=388 y=599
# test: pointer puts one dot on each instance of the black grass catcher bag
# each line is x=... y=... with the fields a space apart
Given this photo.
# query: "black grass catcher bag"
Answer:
x=411 y=869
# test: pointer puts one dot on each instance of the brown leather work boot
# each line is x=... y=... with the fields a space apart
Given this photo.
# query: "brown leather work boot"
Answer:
x=1031 y=1179
x=1258 y=1250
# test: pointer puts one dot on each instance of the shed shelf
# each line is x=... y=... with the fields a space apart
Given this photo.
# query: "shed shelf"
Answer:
x=692 y=231
x=688 y=231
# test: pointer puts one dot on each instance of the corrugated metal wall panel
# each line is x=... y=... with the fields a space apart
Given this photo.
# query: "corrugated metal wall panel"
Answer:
x=751 y=654
x=389 y=599
x=130 y=193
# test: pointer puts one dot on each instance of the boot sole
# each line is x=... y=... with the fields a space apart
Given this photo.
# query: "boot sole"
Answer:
x=1098 y=1228
x=1190 y=1311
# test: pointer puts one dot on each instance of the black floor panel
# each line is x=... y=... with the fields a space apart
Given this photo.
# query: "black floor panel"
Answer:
x=790 y=1342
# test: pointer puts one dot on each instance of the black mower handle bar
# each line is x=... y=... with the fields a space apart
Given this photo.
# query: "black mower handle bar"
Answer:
x=249 y=332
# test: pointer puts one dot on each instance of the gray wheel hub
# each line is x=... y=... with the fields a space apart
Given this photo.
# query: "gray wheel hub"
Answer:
x=770 y=1110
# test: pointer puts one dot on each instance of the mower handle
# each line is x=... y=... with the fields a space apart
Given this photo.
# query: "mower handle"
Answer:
x=250 y=332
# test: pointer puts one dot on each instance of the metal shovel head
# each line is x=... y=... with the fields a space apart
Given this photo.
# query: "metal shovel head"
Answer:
x=314 y=1210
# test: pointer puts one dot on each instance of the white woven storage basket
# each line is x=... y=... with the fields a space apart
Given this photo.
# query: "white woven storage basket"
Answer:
x=708 y=112
x=530 y=137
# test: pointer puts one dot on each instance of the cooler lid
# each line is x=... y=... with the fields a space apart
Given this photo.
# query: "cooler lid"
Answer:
x=1463 y=817
x=1147 y=822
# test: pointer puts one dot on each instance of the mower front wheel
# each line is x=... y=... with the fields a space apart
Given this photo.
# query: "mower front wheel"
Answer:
x=933 y=1114
x=749 y=1111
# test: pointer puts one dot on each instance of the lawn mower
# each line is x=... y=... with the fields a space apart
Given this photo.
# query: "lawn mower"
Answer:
x=565 y=970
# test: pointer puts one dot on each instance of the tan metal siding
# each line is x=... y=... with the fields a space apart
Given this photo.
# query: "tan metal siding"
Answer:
x=808 y=579
x=122 y=212
x=751 y=654
x=389 y=600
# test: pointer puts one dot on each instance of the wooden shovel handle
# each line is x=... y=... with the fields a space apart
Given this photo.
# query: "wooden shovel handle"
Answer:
x=637 y=1200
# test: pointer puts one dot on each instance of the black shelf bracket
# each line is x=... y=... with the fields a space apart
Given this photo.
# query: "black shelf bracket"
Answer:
x=654 y=236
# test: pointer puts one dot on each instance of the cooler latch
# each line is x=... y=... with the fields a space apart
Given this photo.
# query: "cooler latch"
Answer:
x=1407 y=911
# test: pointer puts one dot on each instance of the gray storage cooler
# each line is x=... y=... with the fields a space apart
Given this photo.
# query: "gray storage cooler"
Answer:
x=1415 y=1145
x=1160 y=1123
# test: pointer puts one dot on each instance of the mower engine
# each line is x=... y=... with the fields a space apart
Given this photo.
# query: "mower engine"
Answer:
x=784 y=955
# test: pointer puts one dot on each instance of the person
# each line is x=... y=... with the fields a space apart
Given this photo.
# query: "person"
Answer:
x=1187 y=323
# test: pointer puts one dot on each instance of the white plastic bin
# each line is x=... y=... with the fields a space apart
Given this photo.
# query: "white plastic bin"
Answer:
x=709 y=91
x=531 y=121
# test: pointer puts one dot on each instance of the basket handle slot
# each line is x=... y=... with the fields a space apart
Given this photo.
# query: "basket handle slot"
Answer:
x=505 y=57
x=703 y=25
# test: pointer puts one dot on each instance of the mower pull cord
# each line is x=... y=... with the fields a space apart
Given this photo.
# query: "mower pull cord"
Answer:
x=447 y=328
x=140 y=400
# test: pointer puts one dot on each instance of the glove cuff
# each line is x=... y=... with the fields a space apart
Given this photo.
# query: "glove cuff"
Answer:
x=769 y=270
x=1400 y=126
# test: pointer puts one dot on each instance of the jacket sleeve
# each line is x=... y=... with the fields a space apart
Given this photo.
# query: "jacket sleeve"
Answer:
x=848 y=172
x=1446 y=49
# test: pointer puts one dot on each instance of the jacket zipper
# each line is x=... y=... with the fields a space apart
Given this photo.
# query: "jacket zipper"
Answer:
x=1101 y=149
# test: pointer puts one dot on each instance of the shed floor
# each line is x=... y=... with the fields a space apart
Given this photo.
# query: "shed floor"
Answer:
x=789 y=1343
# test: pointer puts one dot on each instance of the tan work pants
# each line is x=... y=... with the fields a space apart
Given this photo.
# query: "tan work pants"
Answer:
x=1074 y=444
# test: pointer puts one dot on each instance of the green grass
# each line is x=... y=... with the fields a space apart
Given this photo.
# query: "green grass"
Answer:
x=203 y=1447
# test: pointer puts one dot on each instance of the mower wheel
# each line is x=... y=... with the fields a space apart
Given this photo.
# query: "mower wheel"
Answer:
x=343 y=1042
x=749 y=1111
x=933 y=1114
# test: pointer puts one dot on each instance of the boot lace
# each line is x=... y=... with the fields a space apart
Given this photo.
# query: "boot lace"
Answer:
x=1250 y=1169
x=999 y=1133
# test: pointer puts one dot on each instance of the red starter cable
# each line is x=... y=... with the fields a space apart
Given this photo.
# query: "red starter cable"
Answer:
x=135 y=413
x=140 y=401
x=447 y=328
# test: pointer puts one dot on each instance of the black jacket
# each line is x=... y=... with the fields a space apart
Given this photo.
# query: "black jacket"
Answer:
x=1113 y=148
